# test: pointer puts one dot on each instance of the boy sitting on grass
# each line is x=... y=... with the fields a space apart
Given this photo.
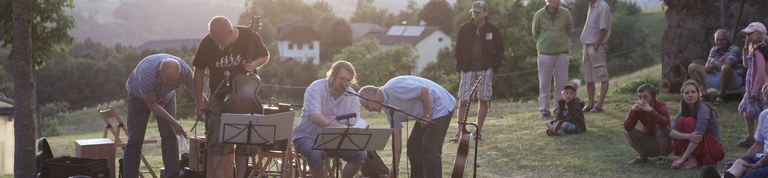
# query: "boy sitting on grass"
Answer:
x=568 y=116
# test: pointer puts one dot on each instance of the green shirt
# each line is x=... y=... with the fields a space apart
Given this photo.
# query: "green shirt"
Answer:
x=552 y=34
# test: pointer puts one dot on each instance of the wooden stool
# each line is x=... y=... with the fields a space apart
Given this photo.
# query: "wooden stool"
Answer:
x=274 y=162
x=302 y=165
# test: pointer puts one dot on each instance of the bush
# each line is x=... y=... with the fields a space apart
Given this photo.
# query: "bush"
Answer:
x=52 y=113
x=631 y=86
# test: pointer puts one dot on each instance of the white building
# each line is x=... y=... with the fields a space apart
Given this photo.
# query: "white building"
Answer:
x=297 y=40
x=6 y=136
x=426 y=42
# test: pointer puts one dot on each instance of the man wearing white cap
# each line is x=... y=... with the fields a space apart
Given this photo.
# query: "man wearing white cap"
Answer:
x=478 y=53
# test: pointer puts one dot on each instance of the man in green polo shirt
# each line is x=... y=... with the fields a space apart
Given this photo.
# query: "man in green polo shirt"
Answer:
x=552 y=26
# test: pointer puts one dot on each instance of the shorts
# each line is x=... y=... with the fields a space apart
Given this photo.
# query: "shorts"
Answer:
x=484 y=89
x=713 y=81
x=594 y=65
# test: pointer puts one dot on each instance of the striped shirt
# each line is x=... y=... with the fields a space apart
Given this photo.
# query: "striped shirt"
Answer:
x=598 y=18
x=145 y=81
x=404 y=92
x=318 y=99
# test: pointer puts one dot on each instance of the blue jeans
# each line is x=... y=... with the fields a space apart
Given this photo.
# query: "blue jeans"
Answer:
x=757 y=173
x=138 y=116
x=316 y=158
x=425 y=146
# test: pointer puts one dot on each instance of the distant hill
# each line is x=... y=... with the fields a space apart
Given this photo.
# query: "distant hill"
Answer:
x=345 y=8
x=134 y=22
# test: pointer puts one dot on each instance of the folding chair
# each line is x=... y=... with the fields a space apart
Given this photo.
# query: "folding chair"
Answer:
x=111 y=116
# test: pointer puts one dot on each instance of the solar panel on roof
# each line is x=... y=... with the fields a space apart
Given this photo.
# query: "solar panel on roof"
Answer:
x=396 y=31
x=413 y=31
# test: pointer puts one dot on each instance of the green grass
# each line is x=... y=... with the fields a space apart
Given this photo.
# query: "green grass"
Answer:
x=515 y=145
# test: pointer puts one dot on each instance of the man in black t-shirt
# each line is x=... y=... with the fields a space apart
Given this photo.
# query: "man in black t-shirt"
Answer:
x=226 y=49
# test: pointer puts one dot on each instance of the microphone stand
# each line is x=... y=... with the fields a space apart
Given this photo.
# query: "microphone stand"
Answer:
x=207 y=111
x=392 y=110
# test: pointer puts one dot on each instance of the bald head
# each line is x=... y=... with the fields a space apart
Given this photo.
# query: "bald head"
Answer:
x=169 y=71
x=221 y=30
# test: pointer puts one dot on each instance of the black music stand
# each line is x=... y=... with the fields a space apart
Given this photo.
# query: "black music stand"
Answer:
x=254 y=129
x=351 y=139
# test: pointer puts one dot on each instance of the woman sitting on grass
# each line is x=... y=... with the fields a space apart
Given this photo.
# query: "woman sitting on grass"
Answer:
x=696 y=132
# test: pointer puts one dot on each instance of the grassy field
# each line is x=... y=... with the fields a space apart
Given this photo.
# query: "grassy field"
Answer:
x=514 y=143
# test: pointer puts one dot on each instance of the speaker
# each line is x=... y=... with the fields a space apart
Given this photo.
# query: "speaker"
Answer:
x=97 y=148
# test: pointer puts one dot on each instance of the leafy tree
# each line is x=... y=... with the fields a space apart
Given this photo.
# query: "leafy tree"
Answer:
x=51 y=114
x=409 y=16
x=336 y=36
x=50 y=27
x=365 y=12
x=443 y=71
x=376 y=67
x=438 y=13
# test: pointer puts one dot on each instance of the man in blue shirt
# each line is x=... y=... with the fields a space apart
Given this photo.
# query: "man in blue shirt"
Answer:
x=722 y=69
x=151 y=90
x=420 y=97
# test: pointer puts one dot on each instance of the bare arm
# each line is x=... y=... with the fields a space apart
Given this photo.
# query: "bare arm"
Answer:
x=163 y=115
x=198 y=80
x=426 y=102
x=323 y=122
x=600 y=38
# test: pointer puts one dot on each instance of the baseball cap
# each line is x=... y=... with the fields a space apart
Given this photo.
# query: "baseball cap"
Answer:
x=754 y=26
x=571 y=86
x=479 y=6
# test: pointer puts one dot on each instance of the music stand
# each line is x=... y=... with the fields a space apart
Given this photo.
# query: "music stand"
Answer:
x=352 y=139
x=255 y=129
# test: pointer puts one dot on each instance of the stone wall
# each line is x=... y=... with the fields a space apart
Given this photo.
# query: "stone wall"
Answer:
x=690 y=26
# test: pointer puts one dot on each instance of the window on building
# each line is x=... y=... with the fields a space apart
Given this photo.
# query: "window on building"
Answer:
x=290 y=46
x=300 y=45
x=440 y=39
x=311 y=46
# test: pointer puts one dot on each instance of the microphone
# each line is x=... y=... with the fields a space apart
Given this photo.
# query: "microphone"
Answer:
x=349 y=92
x=226 y=78
x=346 y=116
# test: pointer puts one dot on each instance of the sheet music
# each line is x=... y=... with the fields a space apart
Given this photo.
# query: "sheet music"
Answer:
x=360 y=124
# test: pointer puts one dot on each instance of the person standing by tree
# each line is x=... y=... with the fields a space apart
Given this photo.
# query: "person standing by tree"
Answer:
x=226 y=49
x=479 y=50
x=551 y=28
x=597 y=29
x=151 y=90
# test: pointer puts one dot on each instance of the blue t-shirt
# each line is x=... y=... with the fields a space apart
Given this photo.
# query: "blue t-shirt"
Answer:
x=404 y=92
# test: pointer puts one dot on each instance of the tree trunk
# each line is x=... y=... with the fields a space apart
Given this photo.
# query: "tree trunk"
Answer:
x=23 y=89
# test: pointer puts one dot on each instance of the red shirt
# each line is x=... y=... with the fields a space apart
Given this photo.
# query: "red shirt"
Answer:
x=650 y=119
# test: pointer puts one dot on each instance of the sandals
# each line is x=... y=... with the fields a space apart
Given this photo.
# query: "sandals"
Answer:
x=718 y=101
x=638 y=160
x=454 y=139
x=587 y=109
x=597 y=110
x=662 y=160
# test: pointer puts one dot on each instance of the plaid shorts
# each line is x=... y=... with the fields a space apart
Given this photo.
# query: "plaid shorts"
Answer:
x=483 y=89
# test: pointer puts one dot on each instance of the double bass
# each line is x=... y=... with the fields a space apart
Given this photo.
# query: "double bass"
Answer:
x=244 y=95
x=465 y=135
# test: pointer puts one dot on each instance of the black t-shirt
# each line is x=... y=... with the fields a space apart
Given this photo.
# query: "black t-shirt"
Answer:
x=248 y=46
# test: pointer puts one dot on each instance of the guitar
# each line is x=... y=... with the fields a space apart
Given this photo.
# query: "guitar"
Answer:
x=461 y=155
